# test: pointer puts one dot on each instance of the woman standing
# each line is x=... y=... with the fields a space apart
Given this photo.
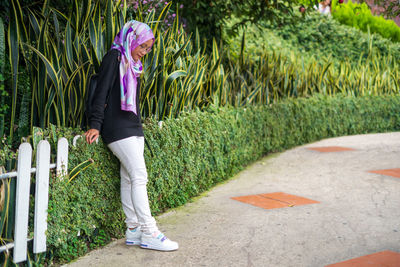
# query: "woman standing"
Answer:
x=324 y=7
x=116 y=116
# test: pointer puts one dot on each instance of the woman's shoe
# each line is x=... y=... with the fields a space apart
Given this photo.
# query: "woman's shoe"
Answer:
x=133 y=237
x=158 y=241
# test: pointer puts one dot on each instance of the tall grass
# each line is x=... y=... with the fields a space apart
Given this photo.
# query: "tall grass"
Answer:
x=272 y=75
x=62 y=53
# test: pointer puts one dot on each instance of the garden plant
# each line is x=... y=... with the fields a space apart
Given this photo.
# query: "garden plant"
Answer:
x=262 y=82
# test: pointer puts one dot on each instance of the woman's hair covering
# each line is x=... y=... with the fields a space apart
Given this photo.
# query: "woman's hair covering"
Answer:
x=133 y=34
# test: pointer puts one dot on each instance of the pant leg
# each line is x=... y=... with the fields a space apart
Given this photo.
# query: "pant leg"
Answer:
x=130 y=153
x=126 y=199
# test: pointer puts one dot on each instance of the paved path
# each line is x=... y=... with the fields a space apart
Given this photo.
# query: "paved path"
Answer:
x=358 y=213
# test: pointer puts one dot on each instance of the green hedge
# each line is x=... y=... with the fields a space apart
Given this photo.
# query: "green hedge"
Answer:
x=314 y=37
x=193 y=153
x=360 y=16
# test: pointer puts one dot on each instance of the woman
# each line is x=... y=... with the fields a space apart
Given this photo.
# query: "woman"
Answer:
x=324 y=7
x=116 y=115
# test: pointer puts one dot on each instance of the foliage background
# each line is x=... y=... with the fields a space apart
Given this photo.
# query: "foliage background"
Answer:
x=314 y=36
x=360 y=16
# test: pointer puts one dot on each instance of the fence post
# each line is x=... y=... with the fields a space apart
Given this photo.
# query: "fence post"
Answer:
x=76 y=137
x=62 y=157
x=41 y=196
x=22 y=202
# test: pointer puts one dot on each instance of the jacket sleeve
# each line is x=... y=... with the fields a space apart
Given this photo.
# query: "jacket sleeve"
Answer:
x=106 y=78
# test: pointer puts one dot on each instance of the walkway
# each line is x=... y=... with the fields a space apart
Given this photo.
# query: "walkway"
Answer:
x=353 y=212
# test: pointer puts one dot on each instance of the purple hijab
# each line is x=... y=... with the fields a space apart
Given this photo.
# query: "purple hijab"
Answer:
x=133 y=34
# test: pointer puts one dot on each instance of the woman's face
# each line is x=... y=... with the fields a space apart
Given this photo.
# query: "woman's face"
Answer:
x=142 y=50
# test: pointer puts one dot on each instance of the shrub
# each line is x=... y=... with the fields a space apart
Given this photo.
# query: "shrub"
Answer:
x=315 y=38
x=360 y=16
x=193 y=153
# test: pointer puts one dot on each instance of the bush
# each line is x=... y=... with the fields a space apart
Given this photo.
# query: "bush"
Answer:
x=360 y=17
x=315 y=38
x=193 y=153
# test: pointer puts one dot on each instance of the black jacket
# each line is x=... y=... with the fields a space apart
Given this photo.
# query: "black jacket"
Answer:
x=113 y=123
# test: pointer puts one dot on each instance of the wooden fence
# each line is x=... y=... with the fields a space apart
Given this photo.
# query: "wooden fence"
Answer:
x=23 y=176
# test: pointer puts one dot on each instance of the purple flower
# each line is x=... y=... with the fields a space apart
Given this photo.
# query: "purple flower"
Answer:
x=144 y=2
x=174 y=15
x=181 y=6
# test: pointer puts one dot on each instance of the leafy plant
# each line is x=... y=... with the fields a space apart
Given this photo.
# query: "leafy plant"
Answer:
x=145 y=7
x=3 y=92
x=270 y=77
x=179 y=74
x=7 y=196
x=314 y=38
x=195 y=152
x=210 y=16
x=360 y=16
x=390 y=8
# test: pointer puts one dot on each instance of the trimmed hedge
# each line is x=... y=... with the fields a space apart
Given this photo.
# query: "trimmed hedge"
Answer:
x=193 y=153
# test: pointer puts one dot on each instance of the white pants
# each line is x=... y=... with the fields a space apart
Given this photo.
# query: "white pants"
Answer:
x=135 y=201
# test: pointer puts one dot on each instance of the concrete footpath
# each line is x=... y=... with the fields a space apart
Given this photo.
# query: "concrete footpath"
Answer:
x=357 y=214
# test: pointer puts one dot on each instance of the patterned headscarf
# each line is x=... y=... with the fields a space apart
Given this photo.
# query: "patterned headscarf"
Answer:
x=133 y=34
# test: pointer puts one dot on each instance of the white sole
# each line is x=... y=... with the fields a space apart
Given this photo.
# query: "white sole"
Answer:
x=145 y=246
x=132 y=242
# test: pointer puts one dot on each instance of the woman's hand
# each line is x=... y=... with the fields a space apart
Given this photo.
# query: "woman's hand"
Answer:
x=92 y=135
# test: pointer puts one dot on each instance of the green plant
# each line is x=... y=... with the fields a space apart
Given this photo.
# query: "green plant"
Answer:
x=61 y=60
x=145 y=7
x=314 y=38
x=7 y=197
x=360 y=16
x=209 y=17
x=3 y=92
x=390 y=8
x=196 y=151
x=179 y=75
x=57 y=51
x=271 y=77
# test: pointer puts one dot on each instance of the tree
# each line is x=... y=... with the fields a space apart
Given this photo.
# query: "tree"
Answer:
x=210 y=16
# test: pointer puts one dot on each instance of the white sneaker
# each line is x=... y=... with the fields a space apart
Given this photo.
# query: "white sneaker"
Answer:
x=133 y=236
x=158 y=241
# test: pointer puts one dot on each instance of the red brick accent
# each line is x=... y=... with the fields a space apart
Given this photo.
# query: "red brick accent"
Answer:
x=274 y=200
x=381 y=259
x=330 y=149
x=389 y=172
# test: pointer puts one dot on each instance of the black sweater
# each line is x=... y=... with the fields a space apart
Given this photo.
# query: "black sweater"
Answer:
x=113 y=123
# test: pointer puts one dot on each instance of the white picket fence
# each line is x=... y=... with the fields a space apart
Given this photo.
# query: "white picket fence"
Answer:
x=23 y=176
